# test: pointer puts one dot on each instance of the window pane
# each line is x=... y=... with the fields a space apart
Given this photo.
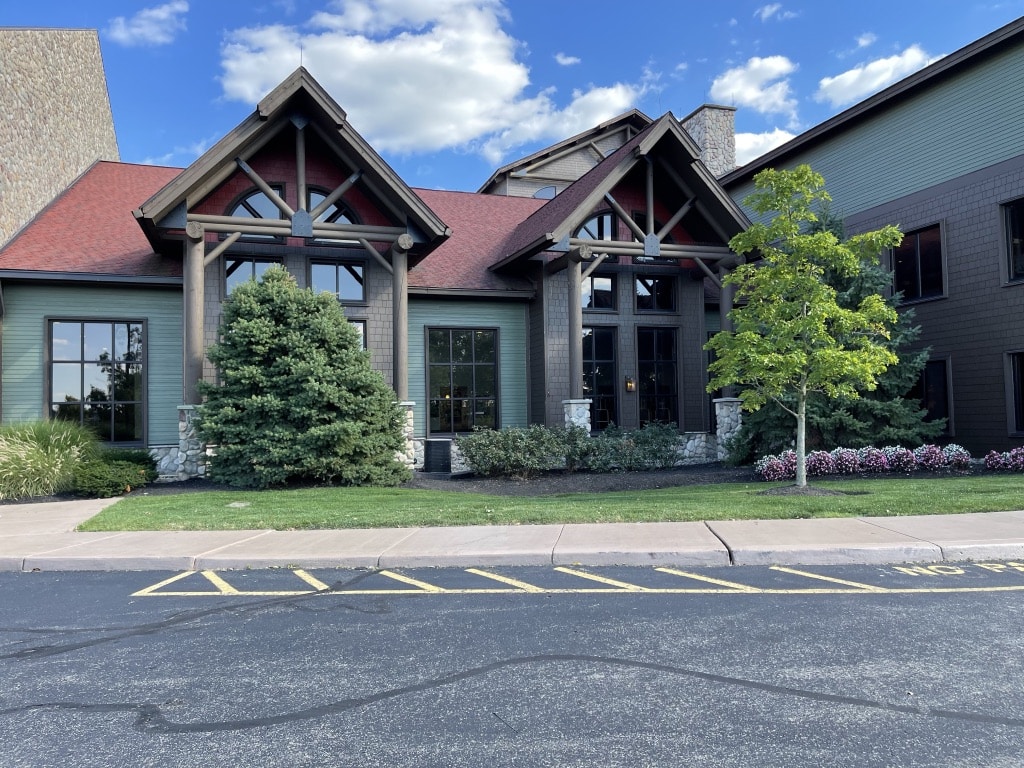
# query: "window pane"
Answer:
x=440 y=415
x=67 y=382
x=484 y=416
x=905 y=268
x=127 y=422
x=604 y=344
x=67 y=411
x=1017 y=366
x=96 y=382
x=440 y=381
x=1015 y=239
x=98 y=342
x=323 y=277
x=66 y=341
x=462 y=346
x=462 y=416
x=128 y=382
x=462 y=380
x=484 y=350
x=350 y=282
x=929 y=246
x=439 y=342
x=484 y=381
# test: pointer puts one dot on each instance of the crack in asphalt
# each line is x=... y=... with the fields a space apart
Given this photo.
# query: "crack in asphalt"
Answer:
x=150 y=718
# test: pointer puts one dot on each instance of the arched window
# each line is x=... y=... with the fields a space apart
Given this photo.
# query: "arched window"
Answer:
x=336 y=213
x=256 y=205
x=600 y=227
x=546 y=193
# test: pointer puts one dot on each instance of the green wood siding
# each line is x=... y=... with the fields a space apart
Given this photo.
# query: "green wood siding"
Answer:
x=955 y=127
x=24 y=345
x=510 y=320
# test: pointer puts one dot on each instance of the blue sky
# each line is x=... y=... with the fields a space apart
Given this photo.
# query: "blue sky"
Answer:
x=448 y=90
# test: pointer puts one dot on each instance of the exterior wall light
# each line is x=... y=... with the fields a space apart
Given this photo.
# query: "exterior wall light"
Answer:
x=630 y=384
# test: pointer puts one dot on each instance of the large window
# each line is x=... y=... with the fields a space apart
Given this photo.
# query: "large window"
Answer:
x=96 y=376
x=599 y=375
x=603 y=226
x=598 y=292
x=657 y=374
x=462 y=366
x=655 y=294
x=344 y=279
x=917 y=265
x=238 y=269
x=336 y=213
x=1013 y=221
x=932 y=391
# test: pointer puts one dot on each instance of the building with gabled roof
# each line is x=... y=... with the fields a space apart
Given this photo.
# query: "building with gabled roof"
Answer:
x=481 y=310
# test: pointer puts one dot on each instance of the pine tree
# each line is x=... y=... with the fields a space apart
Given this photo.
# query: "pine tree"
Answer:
x=297 y=401
x=883 y=416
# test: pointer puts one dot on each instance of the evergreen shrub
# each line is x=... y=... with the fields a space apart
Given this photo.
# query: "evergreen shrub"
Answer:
x=297 y=400
x=103 y=478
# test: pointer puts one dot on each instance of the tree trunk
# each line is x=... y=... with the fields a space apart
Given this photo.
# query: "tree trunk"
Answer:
x=801 y=440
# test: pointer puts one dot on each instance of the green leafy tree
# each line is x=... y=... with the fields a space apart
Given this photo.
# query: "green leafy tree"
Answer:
x=884 y=416
x=791 y=336
x=297 y=400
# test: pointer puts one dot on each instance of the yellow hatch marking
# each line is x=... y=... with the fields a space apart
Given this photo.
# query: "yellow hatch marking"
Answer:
x=219 y=583
x=314 y=582
x=412 y=582
x=602 y=580
x=709 y=580
x=164 y=583
x=857 y=584
x=505 y=580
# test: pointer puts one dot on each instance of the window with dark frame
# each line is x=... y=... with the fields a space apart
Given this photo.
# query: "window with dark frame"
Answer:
x=1017 y=394
x=1013 y=221
x=932 y=391
x=917 y=265
x=336 y=213
x=360 y=326
x=598 y=292
x=345 y=279
x=238 y=269
x=96 y=376
x=657 y=375
x=603 y=226
x=256 y=205
x=655 y=293
x=599 y=375
x=462 y=379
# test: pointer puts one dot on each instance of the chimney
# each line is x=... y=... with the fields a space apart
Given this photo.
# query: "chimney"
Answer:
x=713 y=129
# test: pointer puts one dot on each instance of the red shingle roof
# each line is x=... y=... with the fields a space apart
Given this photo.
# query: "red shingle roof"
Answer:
x=90 y=228
x=480 y=224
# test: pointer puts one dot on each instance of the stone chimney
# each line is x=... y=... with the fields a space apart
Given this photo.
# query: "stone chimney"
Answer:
x=713 y=128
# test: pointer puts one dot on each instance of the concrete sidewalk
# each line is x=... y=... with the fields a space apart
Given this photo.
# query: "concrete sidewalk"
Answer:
x=41 y=537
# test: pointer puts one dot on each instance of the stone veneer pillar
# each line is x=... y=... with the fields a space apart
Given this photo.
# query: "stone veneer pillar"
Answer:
x=729 y=419
x=408 y=456
x=577 y=412
x=191 y=452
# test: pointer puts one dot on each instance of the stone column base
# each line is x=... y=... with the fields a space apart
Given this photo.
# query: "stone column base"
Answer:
x=577 y=412
x=408 y=455
x=728 y=414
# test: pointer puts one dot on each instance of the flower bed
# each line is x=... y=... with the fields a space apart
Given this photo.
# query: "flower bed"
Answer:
x=891 y=458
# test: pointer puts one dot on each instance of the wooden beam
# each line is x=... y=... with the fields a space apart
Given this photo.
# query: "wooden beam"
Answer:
x=332 y=198
x=620 y=211
x=224 y=245
x=300 y=167
x=368 y=246
x=598 y=261
x=676 y=218
x=707 y=271
x=575 y=328
x=194 y=290
x=263 y=187
x=650 y=196
x=400 y=316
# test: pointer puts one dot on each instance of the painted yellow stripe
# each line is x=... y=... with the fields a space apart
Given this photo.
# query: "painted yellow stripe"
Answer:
x=830 y=579
x=164 y=583
x=505 y=580
x=709 y=580
x=411 y=581
x=314 y=582
x=603 y=580
x=219 y=583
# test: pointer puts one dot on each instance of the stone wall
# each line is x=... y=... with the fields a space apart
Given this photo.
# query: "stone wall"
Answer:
x=55 y=118
x=713 y=129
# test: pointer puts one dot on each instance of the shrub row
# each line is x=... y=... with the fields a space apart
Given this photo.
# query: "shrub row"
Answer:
x=850 y=461
x=525 y=452
x=1009 y=461
x=47 y=457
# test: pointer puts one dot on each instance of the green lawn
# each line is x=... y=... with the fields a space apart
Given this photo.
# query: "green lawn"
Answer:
x=401 y=507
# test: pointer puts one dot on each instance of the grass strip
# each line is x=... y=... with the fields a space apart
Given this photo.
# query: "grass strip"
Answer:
x=314 y=508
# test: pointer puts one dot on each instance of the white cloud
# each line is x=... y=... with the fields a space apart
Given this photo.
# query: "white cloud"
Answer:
x=767 y=12
x=863 y=80
x=420 y=77
x=863 y=41
x=565 y=60
x=150 y=26
x=183 y=154
x=750 y=146
x=761 y=84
